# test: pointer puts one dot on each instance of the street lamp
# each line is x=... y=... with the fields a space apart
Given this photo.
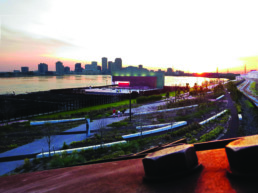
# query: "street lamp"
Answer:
x=87 y=128
x=130 y=105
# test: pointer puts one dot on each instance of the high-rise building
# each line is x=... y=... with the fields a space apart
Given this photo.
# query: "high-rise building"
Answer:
x=78 y=68
x=110 y=64
x=59 y=68
x=169 y=71
x=140 y=66
x=94 y=64
x=104 y=65
x=42 y=68
x=25 y=69
x=67 y=70
x=118 y=64
x=92 y=68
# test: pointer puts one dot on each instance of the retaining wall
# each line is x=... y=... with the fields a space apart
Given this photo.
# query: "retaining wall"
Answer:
x=69 y=151
x=175 y=125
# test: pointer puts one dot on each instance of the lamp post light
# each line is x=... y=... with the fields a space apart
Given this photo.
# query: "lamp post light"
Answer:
x=130 y=105
x=87 y=128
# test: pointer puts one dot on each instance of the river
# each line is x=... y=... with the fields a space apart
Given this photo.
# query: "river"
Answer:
x=21 y=85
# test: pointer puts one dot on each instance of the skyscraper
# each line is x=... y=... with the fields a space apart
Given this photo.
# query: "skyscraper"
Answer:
x=67 y=70
x=104 y=65
x=92 y=68
x=110 y=64
x=42 y=68
x=118 y=64
x=78 y=68
x=94 y=64
x=59 y=68
x=169 y=71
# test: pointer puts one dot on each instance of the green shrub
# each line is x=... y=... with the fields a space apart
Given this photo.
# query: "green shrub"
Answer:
x=144 y=99
x=186 y=129
x=113 y=155
x=249 y=104
x=118 y=124
x=36 y=161
x=57 y=161
x=212 y=134
x=27 y=164
x=161 y=120
x=12 y=146
x=97 y=136
x=74 y=143
x=194 y=132
x=224 y=119
x=65 y=146
x=64 y=154
x=66 y=160
x=238 y=107
x=193 y=140
x=188 y=135
x=167 y=137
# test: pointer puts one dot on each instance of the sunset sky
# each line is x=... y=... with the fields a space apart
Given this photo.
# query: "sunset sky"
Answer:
x=194 y=36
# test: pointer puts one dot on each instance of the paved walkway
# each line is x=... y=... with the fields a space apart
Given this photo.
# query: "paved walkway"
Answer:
x=40 y=145
x=234 y=122
x=147 y=107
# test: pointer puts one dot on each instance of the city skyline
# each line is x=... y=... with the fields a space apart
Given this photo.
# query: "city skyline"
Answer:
x=194 y=36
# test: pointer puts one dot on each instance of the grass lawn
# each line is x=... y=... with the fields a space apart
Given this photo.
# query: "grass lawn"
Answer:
x=171 y=94
x=252 y=88
x=86 y=109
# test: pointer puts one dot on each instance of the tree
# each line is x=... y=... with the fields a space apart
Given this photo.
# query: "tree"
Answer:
x=201 y=91
x=195 y=87
x=206 y=85
x=101 y=125
x=141 y=119
x=49 y=135
x=170 y=118
x=167 y=97
x=87 y=127
x=177 y=93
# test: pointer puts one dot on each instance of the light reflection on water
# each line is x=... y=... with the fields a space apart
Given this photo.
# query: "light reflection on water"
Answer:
x=182 y=80
x=42 y=83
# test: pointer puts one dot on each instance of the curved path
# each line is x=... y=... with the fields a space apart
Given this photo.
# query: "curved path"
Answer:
x=40 y=145
x=245 y=89
x=234 y=122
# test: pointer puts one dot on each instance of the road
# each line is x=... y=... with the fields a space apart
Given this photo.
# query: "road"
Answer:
x=246 y=90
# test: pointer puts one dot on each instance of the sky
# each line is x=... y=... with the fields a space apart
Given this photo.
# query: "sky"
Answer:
x=193 y=36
